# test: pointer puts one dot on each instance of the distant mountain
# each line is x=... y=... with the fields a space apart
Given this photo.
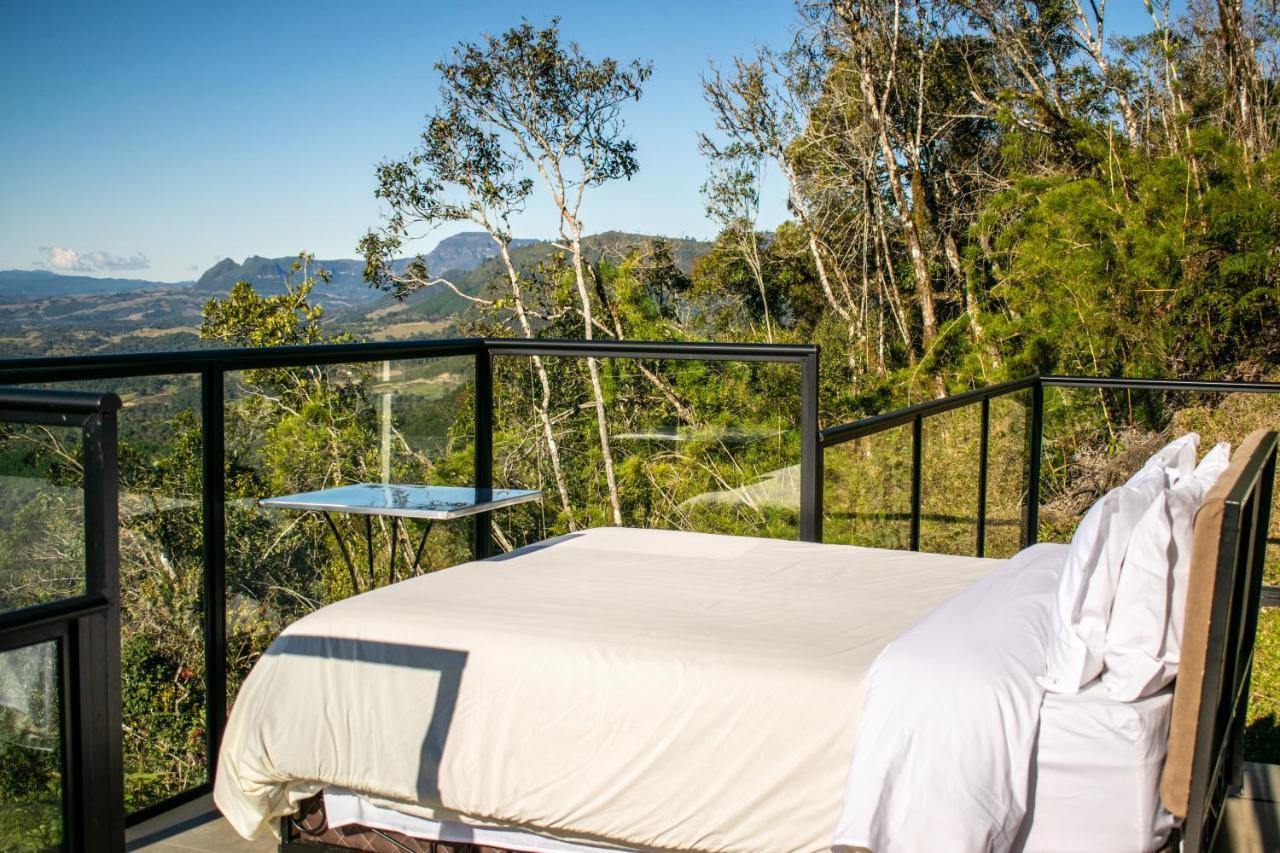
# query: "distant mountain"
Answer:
x=455 y=254
x=268 y=275
x=466 y=251
x=27 y=285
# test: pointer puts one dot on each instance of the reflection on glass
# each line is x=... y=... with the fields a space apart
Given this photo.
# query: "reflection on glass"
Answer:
x=41 y=516
x=30 y=753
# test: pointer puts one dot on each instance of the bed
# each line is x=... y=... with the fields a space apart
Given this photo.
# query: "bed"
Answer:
x=661 y=690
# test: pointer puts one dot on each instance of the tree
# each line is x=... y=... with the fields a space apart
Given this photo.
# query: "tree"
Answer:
x=460 y=172
x=733 y=200
x=760 y=109
x=562 y=113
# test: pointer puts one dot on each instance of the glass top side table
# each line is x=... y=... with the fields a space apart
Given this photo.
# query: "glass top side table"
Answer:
x=425 y=503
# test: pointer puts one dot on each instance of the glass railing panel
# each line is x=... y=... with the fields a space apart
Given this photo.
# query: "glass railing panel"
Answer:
x=950 y=456
x=703 y=446
x=41 y=515
x=161 y=575
x=304 y=429
x=31 y=720
x=1007 y=472
x=867 y=490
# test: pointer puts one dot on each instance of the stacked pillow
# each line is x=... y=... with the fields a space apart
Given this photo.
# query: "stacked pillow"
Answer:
x=1091 y=576
x=1144 y=637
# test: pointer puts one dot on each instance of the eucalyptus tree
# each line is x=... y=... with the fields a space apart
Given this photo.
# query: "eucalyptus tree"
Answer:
x=460 y=171
x=732 y=194
x=760 y=108
x=562 y=114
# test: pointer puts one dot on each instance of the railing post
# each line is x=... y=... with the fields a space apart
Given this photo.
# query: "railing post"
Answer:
x=810 y=452
x=481 y=538
x=1031 y=523
x=984 y=443
x=91 y=663
x=917 y=442
x=213 y=510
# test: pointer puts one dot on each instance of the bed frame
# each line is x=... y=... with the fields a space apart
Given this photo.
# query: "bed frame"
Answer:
x=1211 y=696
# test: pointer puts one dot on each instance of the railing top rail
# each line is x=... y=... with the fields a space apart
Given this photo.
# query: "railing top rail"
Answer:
x=687 y=350
x=89 y=367
x=63 y=368
x=841 y=433
x=57 y=402
x=1187 y=385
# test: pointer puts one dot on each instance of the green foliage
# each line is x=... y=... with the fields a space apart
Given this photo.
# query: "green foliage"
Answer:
x=1141 y=277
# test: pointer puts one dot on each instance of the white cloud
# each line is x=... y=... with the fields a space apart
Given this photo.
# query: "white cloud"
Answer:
x=63 y=259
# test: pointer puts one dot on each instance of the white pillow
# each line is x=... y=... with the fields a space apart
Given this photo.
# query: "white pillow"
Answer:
x=1087 y=586
x=1144 y=637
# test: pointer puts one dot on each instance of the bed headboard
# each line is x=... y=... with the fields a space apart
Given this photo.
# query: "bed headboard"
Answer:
x=1211 y=696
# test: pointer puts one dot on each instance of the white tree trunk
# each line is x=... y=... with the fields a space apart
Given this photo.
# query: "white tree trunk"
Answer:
x=544 y=404
x=593 y=368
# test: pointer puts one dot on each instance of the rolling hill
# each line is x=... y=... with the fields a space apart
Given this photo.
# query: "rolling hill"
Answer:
x=43 y=313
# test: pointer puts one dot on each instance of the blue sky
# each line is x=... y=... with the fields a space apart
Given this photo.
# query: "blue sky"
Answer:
x=149 y=140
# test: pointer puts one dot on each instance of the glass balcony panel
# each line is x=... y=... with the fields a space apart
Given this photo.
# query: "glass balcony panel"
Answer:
x=687 y=453
x=41 y=515
x=161 y=576
x=1007 y=465
x=292 y=430
x=867 y=490
x=31 y=794
x=950 y=456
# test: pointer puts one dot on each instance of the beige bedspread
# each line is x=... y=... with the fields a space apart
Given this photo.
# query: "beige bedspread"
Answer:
x=652 y=689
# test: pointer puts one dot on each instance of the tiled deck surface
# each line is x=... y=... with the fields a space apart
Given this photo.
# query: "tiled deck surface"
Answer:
x=1253 y=823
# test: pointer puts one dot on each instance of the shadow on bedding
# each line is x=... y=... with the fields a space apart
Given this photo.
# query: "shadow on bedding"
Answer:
x=448 y=662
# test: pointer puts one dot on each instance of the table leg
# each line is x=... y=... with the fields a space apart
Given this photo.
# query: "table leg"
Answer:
x=417 y=556
x=368 y=541
x=346 y=557
x=395 y=534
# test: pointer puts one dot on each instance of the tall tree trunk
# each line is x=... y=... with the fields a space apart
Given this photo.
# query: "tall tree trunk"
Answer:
x=1242 y=78
x=806 y=222
x=544 y=404
x=751 y=246
x=593 y=369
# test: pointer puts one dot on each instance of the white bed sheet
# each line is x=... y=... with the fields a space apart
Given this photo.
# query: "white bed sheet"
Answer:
x=658 y=689
x=1095 y=784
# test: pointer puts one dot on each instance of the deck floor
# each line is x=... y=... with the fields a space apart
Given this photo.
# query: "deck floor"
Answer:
x=1253 y=823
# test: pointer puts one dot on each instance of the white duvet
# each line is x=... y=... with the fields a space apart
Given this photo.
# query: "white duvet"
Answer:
x=944 y=747
x=647 y=689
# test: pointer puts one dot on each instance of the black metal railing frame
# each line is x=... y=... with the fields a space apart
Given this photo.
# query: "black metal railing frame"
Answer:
x=85 y=626
x=213 y=365
x=1035 y=385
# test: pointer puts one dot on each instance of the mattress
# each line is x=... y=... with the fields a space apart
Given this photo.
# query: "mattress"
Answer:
x=1094 y=786
x=654 y=689
x=1096 y=774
